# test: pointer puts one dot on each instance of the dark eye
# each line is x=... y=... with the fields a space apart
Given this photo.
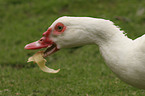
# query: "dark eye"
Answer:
x=60 y=28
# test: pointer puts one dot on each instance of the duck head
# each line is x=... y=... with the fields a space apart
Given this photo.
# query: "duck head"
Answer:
x=67 y=32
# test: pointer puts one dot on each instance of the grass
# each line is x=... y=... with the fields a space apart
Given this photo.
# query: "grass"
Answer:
x=83 y=70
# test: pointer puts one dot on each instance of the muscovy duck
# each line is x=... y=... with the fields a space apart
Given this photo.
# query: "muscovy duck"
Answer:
x=124 y=56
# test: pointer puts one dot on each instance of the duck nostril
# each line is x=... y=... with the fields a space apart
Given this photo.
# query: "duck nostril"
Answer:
x=41 y=40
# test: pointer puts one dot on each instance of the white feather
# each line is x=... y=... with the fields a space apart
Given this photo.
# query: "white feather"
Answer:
x=124 y=56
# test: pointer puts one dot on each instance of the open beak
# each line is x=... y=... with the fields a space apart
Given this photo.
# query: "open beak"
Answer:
x=44 y=42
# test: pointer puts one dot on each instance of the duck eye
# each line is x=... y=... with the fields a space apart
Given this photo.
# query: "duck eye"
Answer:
x=59 y=28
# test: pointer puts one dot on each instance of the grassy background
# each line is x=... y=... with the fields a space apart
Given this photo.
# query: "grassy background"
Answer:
x=83 y=71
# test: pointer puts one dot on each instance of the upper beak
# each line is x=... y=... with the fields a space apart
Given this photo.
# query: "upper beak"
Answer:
x=42 y=43
x=36 y=45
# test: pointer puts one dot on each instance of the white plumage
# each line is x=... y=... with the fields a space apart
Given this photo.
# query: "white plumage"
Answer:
x=124 y=56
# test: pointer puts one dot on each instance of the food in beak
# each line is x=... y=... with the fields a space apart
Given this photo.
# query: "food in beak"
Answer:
x=38 y=58
x=44 y=42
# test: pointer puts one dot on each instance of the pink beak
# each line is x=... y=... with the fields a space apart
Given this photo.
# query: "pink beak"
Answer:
x=42 y=43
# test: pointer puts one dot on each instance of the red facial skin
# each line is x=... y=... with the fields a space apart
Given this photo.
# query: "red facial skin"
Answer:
x=42 y=43
x=45 y=40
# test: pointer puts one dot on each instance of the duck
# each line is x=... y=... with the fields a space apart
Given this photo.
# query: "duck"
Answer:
x=124 y=56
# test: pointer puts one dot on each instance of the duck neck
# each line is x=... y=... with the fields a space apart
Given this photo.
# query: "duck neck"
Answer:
x=114 y=46
x=107 y=34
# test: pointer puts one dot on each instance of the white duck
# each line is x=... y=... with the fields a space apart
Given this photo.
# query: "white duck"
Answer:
x=124 y=56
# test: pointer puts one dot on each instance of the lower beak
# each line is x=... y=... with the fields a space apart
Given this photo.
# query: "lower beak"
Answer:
x=51 y=48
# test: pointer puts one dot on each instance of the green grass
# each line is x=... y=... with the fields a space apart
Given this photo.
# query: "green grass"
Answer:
x=83 y=70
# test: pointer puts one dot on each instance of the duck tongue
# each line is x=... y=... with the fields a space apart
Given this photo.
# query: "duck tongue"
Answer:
x=53 y=48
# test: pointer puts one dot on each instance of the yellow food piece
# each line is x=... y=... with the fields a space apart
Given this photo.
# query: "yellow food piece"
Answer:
x=38 y=58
